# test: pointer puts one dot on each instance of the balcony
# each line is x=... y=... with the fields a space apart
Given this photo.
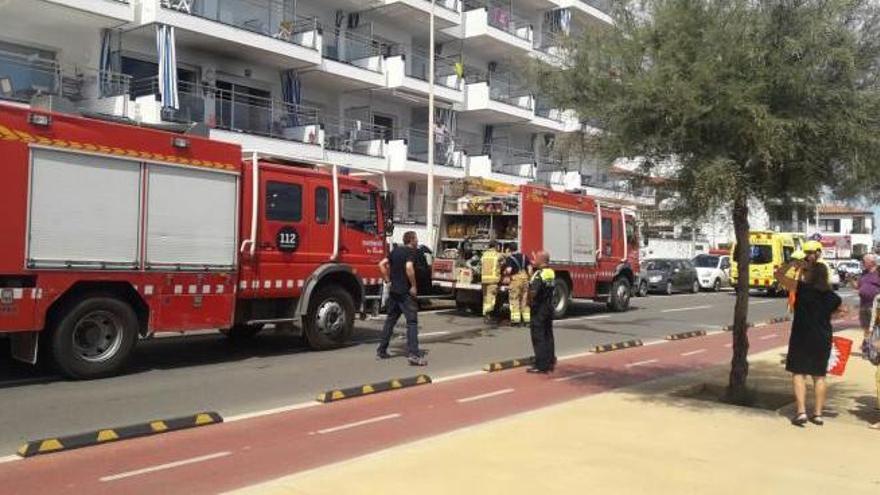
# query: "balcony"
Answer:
x=588 y=12
x=446 y=14
x=356 y=58
x=345 y=138
x=549 y=118
x=408 y=153
x=502 y=163
x=264 y=30
x=493 y=29
x=618 y=190
x=75 y=89
x=250 y=121
x=498 y=98
x=112 y=11
x=408 y=72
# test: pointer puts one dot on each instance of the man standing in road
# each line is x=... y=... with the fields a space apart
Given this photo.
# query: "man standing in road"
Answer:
x=490 y=276
x=399 y=271
x=518 y=269
x=541 y=301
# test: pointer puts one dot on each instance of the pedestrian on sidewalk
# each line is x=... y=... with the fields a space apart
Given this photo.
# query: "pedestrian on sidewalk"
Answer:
x=398 y=270
x=541 y=300
x=869 y=287
x=518 y=268
x=809 y=345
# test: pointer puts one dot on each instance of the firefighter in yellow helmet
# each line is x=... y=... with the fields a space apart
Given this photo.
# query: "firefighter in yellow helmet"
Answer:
x=490 y=276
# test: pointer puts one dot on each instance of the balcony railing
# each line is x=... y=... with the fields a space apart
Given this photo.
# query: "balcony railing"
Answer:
x=451 y=5
x=22 y=78
x=512 y=161
x=355 y=136
x=545 y=108
x=354 y=49
x=238 y=112
x=506 y=88
x=266 y=117
x=444 y=69
x=445 y=147
x=272 y=18
x=502 y=17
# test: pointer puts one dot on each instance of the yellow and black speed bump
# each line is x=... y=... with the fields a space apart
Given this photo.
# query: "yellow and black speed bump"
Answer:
x=348 y=393
x=686 y=335
x=512 y=363
x=617 y=346
x=107 y=435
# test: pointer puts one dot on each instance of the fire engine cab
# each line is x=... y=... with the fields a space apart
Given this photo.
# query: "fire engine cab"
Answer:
x=114 y=232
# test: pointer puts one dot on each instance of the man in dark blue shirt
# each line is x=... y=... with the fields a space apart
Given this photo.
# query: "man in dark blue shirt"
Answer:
x=398 y=269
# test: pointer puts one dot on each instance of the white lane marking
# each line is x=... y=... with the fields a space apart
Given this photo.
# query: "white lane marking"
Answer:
x=655 y=342
x=692 y=353
x=574 y=377
x=484 y=396
x=433 y=333
x=768 y=301
x=759 y=325
x=728 y=345
x=348 y=426
x=642 y=363
x=275 y=410
x=692 y=308
x=10 y=458
x=575 y=356
x=458 y=376
x=769 y=336
x=162 y=467
x=596 y=317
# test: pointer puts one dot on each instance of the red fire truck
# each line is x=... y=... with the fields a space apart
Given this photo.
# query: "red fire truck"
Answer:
x=113 y=232
x=592 y=259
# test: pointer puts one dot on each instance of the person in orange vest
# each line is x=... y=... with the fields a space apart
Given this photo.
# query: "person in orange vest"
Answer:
x=490 y=276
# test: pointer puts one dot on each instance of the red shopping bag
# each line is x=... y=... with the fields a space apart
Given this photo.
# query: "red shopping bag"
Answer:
x=840 y=350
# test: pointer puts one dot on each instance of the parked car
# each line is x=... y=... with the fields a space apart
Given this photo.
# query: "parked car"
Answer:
x=713 y=271
x=848 y=269
x=669 y=275
x=835 y=280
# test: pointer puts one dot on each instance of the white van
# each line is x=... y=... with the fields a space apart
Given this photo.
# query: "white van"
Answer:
x=713 y=271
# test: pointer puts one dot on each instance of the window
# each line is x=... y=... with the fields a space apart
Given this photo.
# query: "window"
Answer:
x=761 y=254
x=606 y=229
x=631 y=232
x=706 y=261
x=359 y=211
x=322 y=205
x=283 y=202
x=829 y=225
x=786 y=253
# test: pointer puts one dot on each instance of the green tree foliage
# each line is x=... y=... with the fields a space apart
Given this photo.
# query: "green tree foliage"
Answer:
x=746 y=99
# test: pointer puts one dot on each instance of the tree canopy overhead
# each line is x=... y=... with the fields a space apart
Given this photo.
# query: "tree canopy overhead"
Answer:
x=748 y=98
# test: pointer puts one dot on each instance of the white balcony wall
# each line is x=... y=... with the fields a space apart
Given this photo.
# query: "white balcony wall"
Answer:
x=277 y=146
x=105 y=8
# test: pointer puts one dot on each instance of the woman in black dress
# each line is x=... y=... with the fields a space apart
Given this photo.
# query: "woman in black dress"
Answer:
x=809 y=345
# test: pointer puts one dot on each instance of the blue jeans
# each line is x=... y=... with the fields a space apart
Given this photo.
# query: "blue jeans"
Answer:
x=406 y=305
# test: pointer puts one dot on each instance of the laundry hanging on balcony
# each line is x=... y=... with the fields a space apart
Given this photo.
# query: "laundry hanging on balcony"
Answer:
x=558 y=21
x=165 y=46
x=291 y=91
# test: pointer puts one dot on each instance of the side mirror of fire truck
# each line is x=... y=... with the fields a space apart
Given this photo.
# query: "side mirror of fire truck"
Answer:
x=387 y=200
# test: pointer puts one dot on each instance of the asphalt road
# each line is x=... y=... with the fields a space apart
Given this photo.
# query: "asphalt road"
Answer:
x=174 y=376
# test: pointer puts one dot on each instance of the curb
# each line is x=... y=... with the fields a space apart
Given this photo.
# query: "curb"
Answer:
x=512 y=363
x=686 y=335
x=97 y=437
x=617 y=346
x=771 y=321
x=359 y=391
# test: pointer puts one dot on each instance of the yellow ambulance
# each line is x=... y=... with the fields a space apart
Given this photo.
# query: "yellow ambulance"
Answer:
x=768 y=250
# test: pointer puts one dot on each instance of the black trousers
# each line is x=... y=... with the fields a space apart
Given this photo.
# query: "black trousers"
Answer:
x=542 y=336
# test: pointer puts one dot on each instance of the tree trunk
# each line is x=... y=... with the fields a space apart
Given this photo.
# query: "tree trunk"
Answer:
x=739 y=364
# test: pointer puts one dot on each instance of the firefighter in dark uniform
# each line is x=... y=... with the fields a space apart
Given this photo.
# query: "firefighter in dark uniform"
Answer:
x=541 y=303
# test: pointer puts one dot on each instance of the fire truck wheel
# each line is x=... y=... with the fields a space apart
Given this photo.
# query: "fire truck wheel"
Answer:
x=620 y=293
x=561 y=298
x=329 y=322
x=242 y=332
x=94 y=337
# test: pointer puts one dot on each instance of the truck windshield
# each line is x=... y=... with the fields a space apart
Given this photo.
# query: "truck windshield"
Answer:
x=761 y=254
x=706 y=261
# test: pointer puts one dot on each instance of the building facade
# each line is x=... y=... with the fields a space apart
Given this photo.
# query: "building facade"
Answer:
x=852 y=228
x=343 y=81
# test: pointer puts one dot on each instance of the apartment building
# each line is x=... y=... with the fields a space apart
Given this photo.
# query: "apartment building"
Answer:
x=344 y=81
x=854 y=227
